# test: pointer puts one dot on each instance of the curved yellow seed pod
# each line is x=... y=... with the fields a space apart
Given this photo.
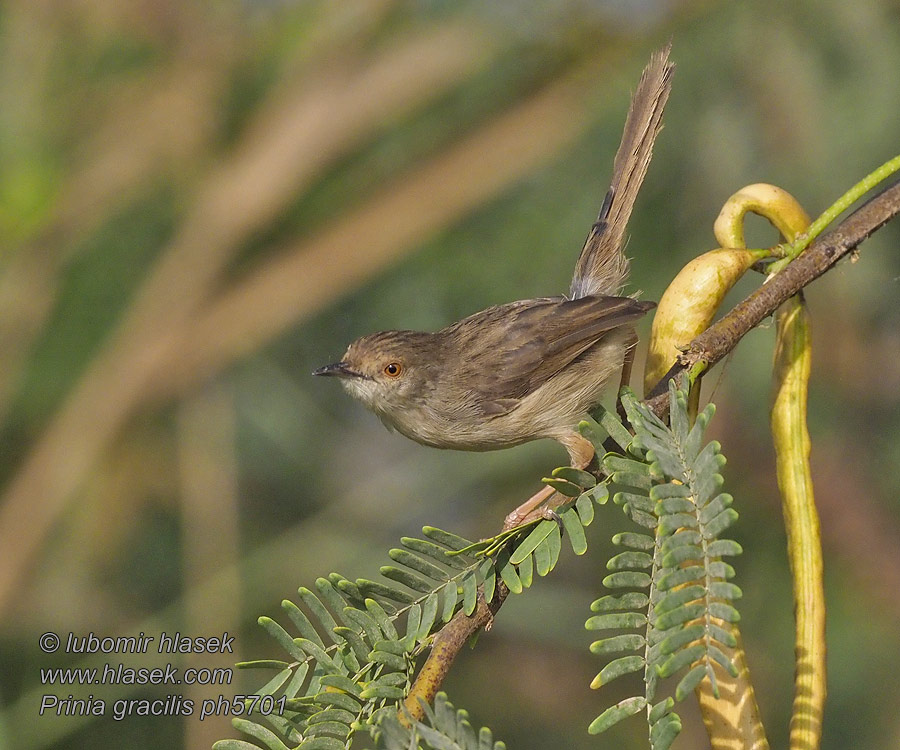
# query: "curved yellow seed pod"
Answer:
x=688 y=305
x=775 y=204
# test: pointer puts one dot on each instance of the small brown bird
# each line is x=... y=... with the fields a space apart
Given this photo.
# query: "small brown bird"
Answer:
x=529 y=369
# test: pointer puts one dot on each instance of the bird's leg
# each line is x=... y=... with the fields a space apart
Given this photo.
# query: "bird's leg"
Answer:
x=581 y=450
x=581 y=453
x=528 y=510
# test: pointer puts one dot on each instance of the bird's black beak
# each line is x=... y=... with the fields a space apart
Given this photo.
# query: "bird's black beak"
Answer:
x=340 y=369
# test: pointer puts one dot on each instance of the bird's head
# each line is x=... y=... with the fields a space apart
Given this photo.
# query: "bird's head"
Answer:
x=388 y=371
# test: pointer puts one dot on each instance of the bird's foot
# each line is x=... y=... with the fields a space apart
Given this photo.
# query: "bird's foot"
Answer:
x=529 y=510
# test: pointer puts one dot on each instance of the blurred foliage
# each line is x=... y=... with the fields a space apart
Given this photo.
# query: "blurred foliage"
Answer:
x=201 y=203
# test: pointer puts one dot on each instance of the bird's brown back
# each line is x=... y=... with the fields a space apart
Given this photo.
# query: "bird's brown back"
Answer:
x=508 y=351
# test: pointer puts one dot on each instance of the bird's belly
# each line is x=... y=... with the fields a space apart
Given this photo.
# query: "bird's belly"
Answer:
x=537 y=416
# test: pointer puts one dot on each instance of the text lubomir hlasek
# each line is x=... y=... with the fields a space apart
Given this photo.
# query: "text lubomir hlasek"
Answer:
x=176 y=643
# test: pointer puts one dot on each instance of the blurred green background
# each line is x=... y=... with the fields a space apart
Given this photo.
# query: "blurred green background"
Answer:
x=201 y=202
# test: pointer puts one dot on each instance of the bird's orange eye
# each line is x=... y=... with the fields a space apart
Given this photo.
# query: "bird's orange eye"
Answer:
x=393 y=369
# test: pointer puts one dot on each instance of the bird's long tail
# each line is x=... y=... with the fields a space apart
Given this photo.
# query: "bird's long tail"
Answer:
x=602 y=267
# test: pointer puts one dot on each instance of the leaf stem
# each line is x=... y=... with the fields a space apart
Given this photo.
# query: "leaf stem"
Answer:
x=856 y=192
x=448 y=642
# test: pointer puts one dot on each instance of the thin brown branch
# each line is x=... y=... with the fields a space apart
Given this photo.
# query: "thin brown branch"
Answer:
x=721 y=337
x=446 y=645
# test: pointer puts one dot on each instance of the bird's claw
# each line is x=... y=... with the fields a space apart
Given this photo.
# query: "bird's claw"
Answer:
x=551 y=515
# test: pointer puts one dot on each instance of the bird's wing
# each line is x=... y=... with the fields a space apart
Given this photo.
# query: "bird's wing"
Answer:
x=541 y=337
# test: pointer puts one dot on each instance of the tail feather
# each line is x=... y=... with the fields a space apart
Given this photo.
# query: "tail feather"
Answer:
x=602 y=267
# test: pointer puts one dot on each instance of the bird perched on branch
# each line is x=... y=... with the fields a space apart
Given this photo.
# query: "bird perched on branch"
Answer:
x=528 y=369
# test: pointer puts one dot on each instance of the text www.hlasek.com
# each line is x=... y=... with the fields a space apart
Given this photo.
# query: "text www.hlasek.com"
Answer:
x=119 y=674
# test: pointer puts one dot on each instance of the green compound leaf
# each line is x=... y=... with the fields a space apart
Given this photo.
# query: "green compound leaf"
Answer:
x=301 y=622
x=434 y=551
x=680 y=615
x=575 y=531
x=356 y=643
x=674 y=599
x=373 y=589
x=321 y=743
x=554 y=542
x=526 y=571
x=407 y=578
x=627 y=579
x=543 y=553
x=660 y=492
x=419 y=564
x=723 y=611
x=715 y=506
x=470 y=594
x=283 y=638
x=690 y=682
x=618 y=621
x=234 y=745
x=381 y=617
x=444 y=728
x=364 y=622
x=661 y=709
x=724 y=661
x=664 y=731
x=531 y=542
x=724 y=590
x=265 y=736
x=633 y=600
x=339 y=700
x=721 y=522
x=583 y=479
x=670 y=483
x=332 y=715
x=617 y=668
x=264 y=664
x=511 y=578
x=317 y=652
x=563 y=487
x=681 y=659
x=614 y=714
x=721 y=635
x=680 y=576
x=333 y=728
x=683 y=554
x=724 y=548
x=489 y=583
x=342 y=682
x=584 y=506
x=618 y=643
x=445 y=538
x=635 y=541
x=600 y=494
x=320 y=612
x=451 y=597
x=629 y=560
